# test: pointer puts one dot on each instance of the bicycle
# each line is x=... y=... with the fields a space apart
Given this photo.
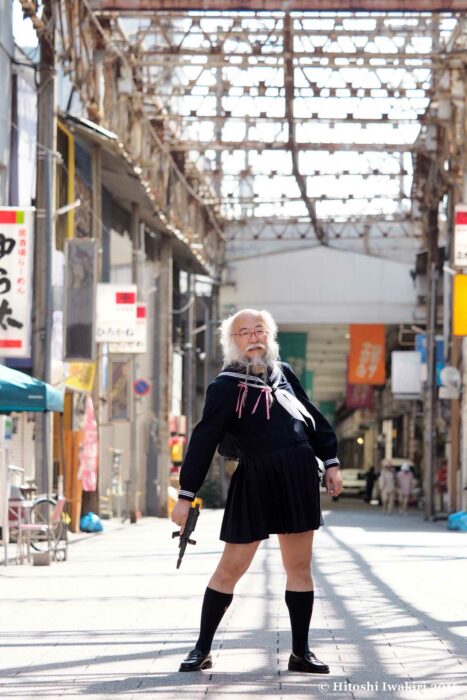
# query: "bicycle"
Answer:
x=41 y=514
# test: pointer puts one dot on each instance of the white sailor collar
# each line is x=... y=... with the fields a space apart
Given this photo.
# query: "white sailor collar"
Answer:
x=270 y=390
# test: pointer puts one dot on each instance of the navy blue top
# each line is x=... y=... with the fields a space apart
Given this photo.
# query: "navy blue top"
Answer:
x=252 y=434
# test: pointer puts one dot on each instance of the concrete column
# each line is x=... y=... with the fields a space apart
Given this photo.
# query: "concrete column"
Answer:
x=163 y=373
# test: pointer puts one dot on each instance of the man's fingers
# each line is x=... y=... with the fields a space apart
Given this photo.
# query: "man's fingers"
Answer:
x=333 y=487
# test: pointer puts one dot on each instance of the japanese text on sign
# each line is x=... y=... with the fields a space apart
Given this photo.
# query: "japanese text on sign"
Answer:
x=15 y=281
x=367 y=354
x=460 y=236
x=116 y=313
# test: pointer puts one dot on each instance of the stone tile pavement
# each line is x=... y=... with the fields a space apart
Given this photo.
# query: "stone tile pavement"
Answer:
x=390 y=615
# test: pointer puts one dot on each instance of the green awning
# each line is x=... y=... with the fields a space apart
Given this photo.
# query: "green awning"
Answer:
x=20 y=392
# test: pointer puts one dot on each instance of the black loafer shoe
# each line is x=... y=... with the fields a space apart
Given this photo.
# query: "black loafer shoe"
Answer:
x=196 y=661
x=308 y=663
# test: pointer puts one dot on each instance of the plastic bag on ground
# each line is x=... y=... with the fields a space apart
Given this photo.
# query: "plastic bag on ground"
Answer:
x=90 y=523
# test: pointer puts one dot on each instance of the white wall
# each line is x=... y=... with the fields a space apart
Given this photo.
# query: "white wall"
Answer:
x=117 y=434
x=322 y=285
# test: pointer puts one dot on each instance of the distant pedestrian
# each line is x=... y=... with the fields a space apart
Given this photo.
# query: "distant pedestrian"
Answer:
x=405 y=487
x=441 y=484
x=387 y=487
x=370 y=482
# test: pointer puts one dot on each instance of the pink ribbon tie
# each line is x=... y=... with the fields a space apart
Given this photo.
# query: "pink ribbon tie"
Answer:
x=242 y=392
x=266 y=392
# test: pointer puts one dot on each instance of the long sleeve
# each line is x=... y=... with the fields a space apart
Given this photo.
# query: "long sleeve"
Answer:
x=323 y=439
x=218 y=411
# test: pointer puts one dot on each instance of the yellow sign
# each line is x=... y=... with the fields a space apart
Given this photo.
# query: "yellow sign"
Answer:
x=80 y=376
x=459 y=310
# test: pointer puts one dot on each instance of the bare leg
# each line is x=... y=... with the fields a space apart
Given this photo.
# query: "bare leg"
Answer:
x=296 y=551
x=234 y=562
x=384 y=498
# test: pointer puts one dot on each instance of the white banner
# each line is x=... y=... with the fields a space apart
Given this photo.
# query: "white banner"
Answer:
x=406 y=377
x=139 y=343
x=16 y=259
x=116 y=313
x=460 y=236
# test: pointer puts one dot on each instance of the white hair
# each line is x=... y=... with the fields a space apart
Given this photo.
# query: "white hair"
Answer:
x=230 y=351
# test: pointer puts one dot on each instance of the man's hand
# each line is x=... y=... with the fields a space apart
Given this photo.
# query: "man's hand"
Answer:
x=334 y=485
x=180 y=513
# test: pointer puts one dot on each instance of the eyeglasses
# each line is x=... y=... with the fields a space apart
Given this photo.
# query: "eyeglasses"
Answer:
x=258 y=332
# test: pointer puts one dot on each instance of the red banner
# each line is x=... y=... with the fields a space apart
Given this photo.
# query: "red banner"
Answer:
x=359 y=396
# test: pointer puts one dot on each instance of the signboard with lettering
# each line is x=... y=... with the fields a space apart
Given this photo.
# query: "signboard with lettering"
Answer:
x=16 y=257
x=80 y=376
x=421 y=347
x=460 y=236
x=139 y=343
x=367 y=354
x=116 y=313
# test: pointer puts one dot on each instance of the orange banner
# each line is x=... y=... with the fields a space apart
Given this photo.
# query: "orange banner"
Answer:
x=367 y=360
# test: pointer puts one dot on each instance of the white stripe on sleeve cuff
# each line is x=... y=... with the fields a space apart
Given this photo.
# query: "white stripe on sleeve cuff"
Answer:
x=190 y=494
x=332 y=462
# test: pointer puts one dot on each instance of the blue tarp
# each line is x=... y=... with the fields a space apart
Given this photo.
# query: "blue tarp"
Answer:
x=20 y=392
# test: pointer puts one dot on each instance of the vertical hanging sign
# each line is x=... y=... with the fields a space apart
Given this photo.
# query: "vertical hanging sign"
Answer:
x=293 y=350
x=16 y=257
x=80 y=293
x=459 y=303
x=367 y=361
x=460 y=236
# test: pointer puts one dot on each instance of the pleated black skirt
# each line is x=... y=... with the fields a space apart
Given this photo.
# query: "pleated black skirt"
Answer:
x=273 y=493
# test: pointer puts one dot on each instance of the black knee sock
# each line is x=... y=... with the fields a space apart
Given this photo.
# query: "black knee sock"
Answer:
x=215 y=604
x=300 y=605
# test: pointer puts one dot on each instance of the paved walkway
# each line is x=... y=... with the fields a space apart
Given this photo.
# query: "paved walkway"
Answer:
x=117 y=618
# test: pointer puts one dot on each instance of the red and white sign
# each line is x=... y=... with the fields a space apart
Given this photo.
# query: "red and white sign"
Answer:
x=139 y=342
x=460 y=236
x=116 y=313
x=16 y=257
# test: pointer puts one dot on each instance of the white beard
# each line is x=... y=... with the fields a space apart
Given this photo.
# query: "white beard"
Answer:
x=258 y=365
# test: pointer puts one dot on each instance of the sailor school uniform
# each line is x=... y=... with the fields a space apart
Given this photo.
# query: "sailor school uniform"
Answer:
x=277 y=433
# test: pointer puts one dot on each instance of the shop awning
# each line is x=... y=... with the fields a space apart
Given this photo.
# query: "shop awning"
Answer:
x=20 y=392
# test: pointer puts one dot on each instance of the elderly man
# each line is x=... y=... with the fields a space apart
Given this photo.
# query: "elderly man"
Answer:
x=257 y=407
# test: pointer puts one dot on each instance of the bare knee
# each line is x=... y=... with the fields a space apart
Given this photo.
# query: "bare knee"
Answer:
x=299 y=574
x=229 y=572
x=234 y=563
x=298 y=567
